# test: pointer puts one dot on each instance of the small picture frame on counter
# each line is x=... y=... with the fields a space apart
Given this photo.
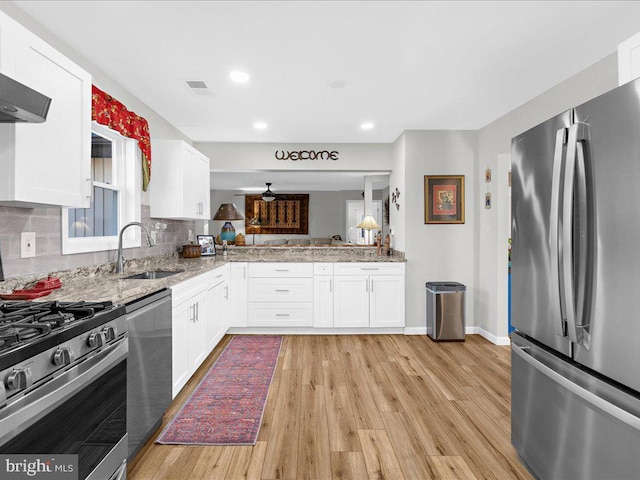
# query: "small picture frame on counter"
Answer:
x=207 y=244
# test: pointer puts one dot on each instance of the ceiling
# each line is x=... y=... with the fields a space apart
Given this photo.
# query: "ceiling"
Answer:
x=292 y=181
x=399 y=65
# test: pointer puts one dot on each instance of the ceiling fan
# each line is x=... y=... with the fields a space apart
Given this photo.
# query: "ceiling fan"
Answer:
x=267 y=196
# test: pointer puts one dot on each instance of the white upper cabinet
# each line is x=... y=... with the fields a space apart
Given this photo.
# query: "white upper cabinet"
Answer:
x=179 y=186
x=45 y=163
x=629 y=60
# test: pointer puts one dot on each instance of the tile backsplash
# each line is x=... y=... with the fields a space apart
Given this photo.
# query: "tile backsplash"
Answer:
x=46 y=223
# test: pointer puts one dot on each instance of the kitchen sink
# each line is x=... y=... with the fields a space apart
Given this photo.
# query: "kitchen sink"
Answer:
x=153 y=274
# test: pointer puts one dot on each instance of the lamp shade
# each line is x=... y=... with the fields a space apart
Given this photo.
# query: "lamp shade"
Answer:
x=228 y=211
x=368 y=223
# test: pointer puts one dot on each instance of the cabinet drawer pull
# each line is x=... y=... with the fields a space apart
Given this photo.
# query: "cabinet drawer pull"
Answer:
x=281 y=290
x=281 y=270
x=219 y=276
x=369 y=268
x=282 y=314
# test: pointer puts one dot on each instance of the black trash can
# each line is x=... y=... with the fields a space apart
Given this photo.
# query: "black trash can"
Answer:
x=445 y=311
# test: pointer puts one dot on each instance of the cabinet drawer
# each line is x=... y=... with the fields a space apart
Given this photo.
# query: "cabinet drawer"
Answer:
x=281 y=290
x=281 y=270
x=280 y=315
x=183 y=291
x=323 y=268
x=217 y=276
x=369 y=268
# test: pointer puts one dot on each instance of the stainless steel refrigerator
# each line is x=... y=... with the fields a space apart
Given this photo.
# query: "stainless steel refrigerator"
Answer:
x=576 y=291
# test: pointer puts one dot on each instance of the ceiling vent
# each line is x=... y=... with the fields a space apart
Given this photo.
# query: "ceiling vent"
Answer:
x=198 y=87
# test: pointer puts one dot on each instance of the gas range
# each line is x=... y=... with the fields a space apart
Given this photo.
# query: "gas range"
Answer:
x=39 y=338
x=63 y=384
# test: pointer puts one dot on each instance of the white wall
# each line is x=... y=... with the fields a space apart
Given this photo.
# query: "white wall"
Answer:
x=495 y=139
x=438 y=252
x=327 y=214
x=397 y=180
x=236 y=157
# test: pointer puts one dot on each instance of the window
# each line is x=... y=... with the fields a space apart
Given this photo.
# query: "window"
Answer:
x=115 y=198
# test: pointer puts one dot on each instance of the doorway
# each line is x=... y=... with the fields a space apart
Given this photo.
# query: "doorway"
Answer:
x=355 y=214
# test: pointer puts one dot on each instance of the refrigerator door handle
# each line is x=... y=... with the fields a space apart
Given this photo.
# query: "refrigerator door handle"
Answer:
x=575 y=283
x=557 y=292
x=589 y=397
x=586 y=243
x=567 y=234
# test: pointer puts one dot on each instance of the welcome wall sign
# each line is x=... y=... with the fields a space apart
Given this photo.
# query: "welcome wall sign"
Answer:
x=307 y=155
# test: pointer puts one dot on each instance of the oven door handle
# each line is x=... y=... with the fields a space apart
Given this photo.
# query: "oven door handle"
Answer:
x=23 y=412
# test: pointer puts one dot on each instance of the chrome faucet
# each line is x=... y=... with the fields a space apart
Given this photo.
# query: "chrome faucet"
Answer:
x=120 y=261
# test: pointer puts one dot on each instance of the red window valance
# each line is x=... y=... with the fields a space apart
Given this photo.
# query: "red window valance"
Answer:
x=108 y=111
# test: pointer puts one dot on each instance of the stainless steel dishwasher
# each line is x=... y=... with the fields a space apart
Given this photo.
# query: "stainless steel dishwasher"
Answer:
x=148 y=366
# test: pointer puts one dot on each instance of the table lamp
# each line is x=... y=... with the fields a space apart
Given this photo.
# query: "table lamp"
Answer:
x=228 y=212
x=368 y=223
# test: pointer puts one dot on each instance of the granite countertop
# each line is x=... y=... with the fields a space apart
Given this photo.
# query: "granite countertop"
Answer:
x=100 y=283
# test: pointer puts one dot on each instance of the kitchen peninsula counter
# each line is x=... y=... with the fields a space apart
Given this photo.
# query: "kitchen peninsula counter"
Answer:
x=100 y=283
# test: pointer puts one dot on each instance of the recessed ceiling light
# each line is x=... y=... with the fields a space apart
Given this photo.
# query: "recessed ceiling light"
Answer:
x=239 y=77
x=366 y=126
x=260 y=125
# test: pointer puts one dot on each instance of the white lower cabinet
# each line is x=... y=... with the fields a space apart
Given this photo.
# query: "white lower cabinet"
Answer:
x=351 y=301
x=386 y=301
x=200 y=318
x=323 y=301
x=197 y=331
x=238 y=294
x=217 y=306
x=368 y=295
x=189 y=322
x=280 y=314
x=180 y=372
x=280 y=295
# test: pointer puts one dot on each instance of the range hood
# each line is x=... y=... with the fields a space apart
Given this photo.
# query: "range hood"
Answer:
x=21 y=104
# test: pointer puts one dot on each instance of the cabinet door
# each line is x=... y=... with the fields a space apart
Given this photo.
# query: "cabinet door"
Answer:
x=203 y=201
x=52 y=160
x=197 y=331
x=386 y=300
x=323 y=301
x=180 y=372
x=351 y=301
x=190 y=182
x=217 y=314
x=238 y=294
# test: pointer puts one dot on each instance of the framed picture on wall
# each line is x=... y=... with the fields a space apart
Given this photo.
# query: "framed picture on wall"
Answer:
x=207 y=245
x=444 y=199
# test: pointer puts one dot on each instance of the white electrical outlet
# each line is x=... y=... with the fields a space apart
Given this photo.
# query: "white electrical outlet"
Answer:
x=190 y=239
x=153 y=236
x=28 y=245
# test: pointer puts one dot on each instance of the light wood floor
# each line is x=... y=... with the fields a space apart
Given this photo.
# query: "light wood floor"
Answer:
x=364 y=406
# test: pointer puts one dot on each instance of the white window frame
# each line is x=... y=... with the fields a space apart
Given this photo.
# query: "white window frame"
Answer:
x=127 y=177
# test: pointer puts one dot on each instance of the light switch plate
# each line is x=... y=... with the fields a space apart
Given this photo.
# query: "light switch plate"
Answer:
x=28 y=245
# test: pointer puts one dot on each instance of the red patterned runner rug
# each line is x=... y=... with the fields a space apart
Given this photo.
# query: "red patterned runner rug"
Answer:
x=226 y=408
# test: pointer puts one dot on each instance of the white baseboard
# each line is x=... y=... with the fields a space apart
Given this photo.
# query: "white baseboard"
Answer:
x=468 y=331
x=492 y=338
x=313 y=331
x=415 y=330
